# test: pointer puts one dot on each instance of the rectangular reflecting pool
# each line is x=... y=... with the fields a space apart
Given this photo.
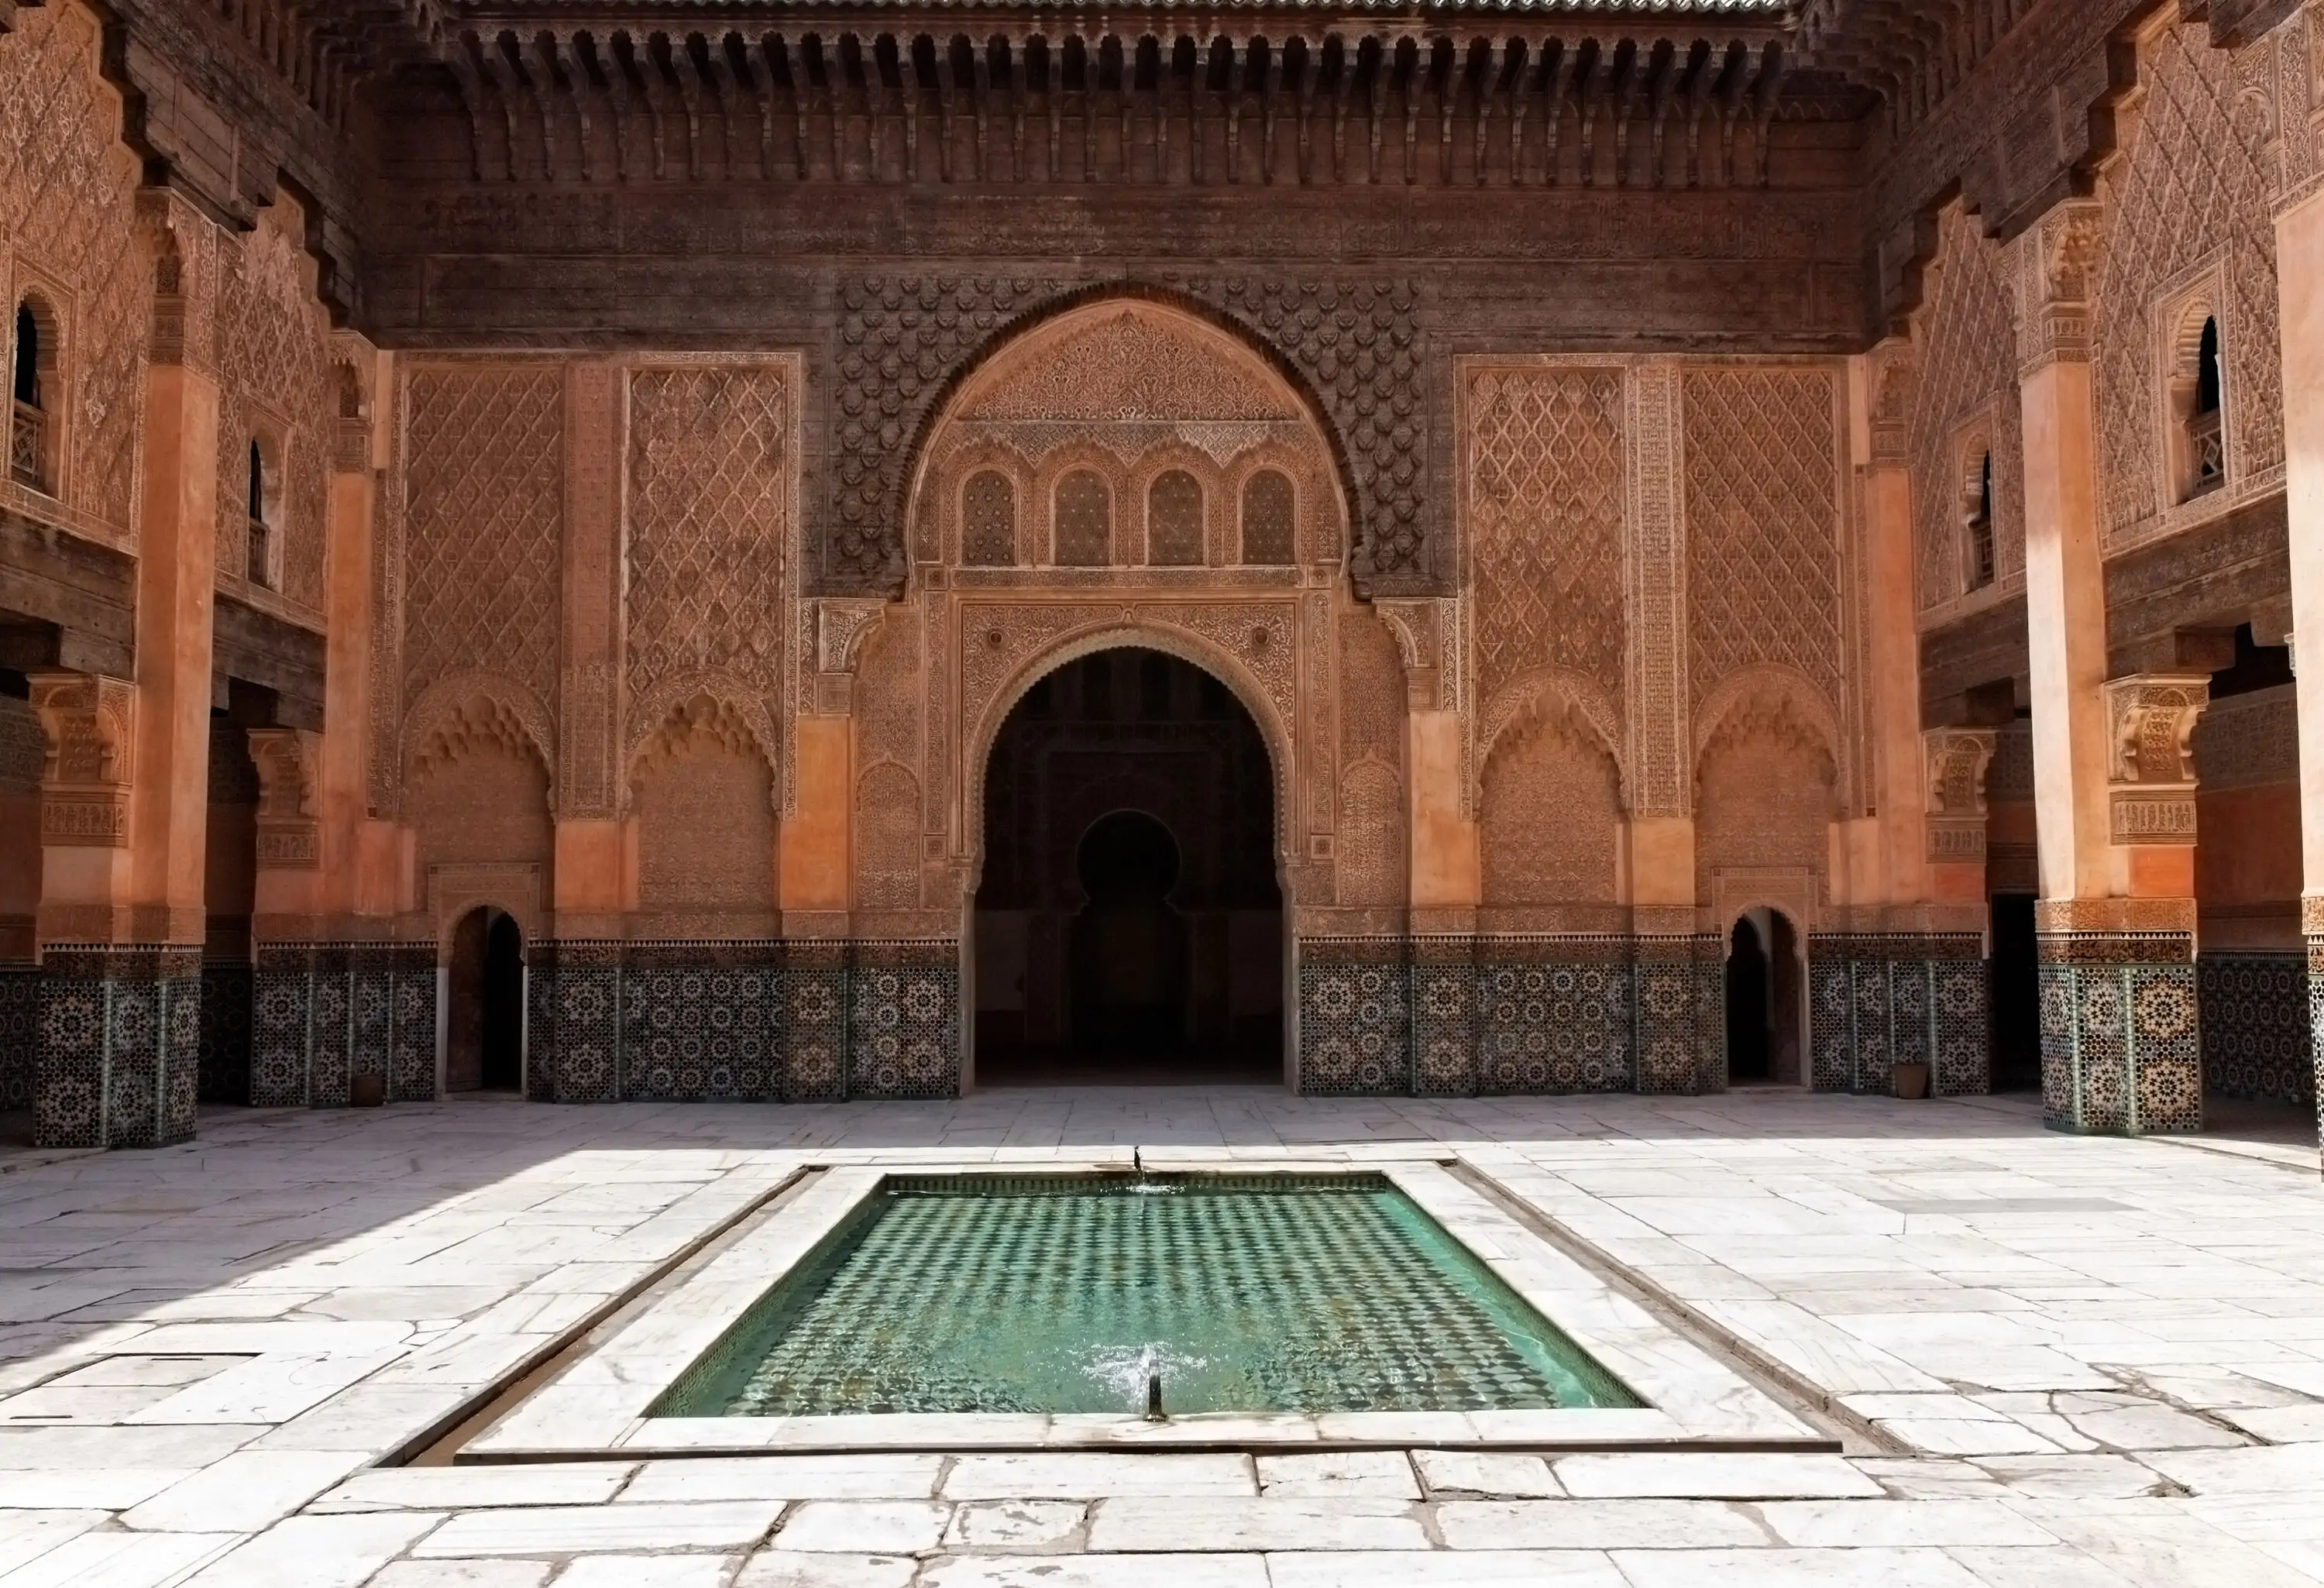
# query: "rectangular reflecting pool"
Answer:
x=1062 y=1294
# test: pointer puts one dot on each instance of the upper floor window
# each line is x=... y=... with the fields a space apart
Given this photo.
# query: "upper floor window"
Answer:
x=2206 y=430
x=258 y=551
x=988 y=520
x=1173 y=519
x=1268 y=519
x=1977 y=526
x=1084 y=520
x=31 y=427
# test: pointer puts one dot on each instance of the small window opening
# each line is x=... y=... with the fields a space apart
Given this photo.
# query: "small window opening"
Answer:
x=1977 y=547
x=2205 y=427
x=28 y=421
x=259 y=559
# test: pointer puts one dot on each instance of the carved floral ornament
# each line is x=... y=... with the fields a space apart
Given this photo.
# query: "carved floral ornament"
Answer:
x=2151 y=721
x=90 y=721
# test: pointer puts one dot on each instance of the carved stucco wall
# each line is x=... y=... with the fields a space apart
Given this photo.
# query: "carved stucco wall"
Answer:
x=1964 y=404
x=2187 y=219
x=275 y=386
x=1549 y=815
x=68 y=230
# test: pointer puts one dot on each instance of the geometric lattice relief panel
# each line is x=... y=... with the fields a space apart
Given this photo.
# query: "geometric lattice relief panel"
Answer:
x=484 y=504
x=65 y=204
x=1547 y=816
x=710 y=494
x=1762 y=478
x=2188 y=188
x=705 y=829
x=1965 y=343
x=273 y=345
x=1545 y=492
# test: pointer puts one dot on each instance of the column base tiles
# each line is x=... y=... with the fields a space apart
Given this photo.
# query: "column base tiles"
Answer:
x=118 y=1050
x=2122 y=1048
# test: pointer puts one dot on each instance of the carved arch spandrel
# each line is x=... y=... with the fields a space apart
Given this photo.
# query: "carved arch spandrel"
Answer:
x=707 y=702
x=1770 y=691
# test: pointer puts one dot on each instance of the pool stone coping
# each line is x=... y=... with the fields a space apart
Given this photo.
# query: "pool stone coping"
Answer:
x=600 y=1406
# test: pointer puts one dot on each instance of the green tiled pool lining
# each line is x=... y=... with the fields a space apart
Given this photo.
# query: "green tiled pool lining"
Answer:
x=1061 y=1294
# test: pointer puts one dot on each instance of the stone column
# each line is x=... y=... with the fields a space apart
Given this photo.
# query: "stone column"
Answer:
x=1424 y=988
x=2300 y=265
x=117 y=1054
x=2120 y=1050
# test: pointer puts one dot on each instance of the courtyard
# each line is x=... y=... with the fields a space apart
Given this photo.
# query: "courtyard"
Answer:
x=2031 y=1358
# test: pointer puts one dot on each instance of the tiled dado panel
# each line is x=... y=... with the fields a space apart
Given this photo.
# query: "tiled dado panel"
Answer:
x=1877 y=1002
x=758 y=1022
x=322 y=1013
x=118 y=1050
x=1462 y=1017
x=20 y=1026
x=2122 y=1050
x=2256 y=1040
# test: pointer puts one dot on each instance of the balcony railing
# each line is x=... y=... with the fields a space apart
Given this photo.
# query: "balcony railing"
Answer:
x=257 y=563
x=2209 y=437
x=28 y=447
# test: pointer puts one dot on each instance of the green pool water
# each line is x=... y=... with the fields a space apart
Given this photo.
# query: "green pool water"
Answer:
x=1246 y=1293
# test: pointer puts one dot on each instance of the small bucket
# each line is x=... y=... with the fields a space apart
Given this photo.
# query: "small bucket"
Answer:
x=367 y=1091
x=1912 y=1082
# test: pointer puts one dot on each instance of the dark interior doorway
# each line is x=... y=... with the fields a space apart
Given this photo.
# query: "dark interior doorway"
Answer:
x=1129 y=923
x=2016 y=992
x=1749 y=1052
x=1128 y=955
x=1764 y=977
x=485 y=1007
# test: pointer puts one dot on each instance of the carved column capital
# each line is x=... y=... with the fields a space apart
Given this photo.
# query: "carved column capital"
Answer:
x=182 y=243
x=1893 y=373
x=90 y=724
x=355 y=366
x=2054 y=264
x=289 y=762
x=2151 y=772
x=1953 y=762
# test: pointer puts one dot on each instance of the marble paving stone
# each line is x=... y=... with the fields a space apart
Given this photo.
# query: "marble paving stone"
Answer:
x=27 y=1535
x=1794 y=1568
x=1558 y=1568
x=316 y=1552
x=787 y=1477
x=247 y=1490
x=856 y=1527
x=463 y=1573
x=647 y=1570
x=1489 y=1473
x=1133 y=1525
x=1690 y=1476
x=1380 y=1472
x=1849 y=1524
x=1016 y=1526
x=1096 y=1571
x=471 y=1488
x=103 y=1487
x=570 y=1529
x=1594 y=1524
x=1093 y=1476
x=121 y=1560
x=776 y=1568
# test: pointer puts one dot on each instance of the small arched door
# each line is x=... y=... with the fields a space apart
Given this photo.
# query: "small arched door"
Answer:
x=1764 y=999
x=484 y=1036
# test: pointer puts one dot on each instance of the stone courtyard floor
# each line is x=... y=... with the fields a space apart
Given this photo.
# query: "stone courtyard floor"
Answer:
x=2052 y=1363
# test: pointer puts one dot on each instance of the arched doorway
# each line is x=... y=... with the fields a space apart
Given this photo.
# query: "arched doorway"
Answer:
x=1763 y=999
x=484 y=1036
x=1128 y=917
